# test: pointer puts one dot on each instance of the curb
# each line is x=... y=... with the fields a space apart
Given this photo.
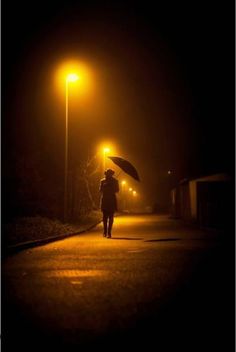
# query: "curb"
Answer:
x=30 y=244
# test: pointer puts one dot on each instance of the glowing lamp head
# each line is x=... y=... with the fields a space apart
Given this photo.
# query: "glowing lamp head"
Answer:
x=72 y=77
x=130 y=189
x=134 y=193
x=123 y=182
x=106 y=150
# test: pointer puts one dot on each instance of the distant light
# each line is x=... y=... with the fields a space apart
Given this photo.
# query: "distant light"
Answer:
x=123 y=182
x=134 y=193
x=72 y=77
x=106 y=147
x=169 y=172
x=130 y=189
x=106 y=150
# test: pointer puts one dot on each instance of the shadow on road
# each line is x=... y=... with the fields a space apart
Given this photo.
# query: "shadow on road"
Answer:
x=127 y=238
x=164 y=240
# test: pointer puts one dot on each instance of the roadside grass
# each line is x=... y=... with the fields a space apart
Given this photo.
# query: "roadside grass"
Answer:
x=24 y=229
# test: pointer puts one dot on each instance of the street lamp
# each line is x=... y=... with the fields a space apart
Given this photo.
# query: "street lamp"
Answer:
x=123 y=185
x=72 y=77
x=133 y=200
x=105 y=152
x=130 y=197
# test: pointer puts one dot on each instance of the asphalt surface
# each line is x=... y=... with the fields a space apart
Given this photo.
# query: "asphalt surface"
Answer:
x=157 y=284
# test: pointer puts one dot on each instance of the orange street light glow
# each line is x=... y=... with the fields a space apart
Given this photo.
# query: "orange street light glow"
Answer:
x=123 y=182
x=106 y=150
x=130 y=189
x=108 y=147
x=72 y=77
x=71 y=71
x=134 y=193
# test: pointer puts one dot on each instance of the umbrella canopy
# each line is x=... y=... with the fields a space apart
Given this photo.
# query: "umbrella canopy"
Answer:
x=126 y=166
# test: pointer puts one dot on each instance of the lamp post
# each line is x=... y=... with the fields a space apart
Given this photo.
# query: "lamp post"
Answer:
x=123 y=184
x=105 y=151
x=72 y=77
x=130 y=198
x=134 y=200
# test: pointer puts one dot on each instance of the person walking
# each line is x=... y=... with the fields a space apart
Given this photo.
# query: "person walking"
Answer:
x=109 y=186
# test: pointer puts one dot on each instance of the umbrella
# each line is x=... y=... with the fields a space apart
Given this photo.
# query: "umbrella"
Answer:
x=126 y=166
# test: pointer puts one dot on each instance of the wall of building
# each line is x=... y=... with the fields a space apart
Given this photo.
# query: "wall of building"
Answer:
x=202 y=200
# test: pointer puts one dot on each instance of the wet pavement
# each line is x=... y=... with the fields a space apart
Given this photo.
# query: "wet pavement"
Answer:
x=157 y=284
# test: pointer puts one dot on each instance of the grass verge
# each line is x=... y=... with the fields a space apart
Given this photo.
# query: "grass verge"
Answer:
x=24 y=229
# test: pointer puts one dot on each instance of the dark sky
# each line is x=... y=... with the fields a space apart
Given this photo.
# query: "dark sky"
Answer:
x=165 y=83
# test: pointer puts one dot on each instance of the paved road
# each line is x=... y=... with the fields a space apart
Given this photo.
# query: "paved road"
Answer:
x=156 y=282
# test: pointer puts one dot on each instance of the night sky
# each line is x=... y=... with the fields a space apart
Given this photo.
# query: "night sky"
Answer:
x=164 y=84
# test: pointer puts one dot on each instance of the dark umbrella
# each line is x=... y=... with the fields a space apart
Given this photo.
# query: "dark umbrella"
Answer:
x=126 y=166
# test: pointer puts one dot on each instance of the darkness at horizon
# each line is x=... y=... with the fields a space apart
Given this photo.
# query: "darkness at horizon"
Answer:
x=167 y=75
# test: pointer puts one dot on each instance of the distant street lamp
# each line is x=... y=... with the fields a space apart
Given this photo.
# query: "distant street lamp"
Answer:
x=123 y=185
x=130 y=193
x=105 y=152
x=72 y=77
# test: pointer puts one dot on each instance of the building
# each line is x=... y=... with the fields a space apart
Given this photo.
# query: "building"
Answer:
x=207 y=201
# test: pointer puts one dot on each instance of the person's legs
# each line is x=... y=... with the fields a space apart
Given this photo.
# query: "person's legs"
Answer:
x=111 y=219
x=105 y=219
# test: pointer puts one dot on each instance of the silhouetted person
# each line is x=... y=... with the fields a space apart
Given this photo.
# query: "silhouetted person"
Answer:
x=109 y=187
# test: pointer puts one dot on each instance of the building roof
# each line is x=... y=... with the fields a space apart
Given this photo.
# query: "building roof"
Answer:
x=214 y=177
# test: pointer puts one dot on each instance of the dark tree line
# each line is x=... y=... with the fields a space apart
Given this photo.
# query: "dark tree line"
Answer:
x=29 y=187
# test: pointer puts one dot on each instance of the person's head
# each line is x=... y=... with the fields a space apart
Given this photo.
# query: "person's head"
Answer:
x=109 y=173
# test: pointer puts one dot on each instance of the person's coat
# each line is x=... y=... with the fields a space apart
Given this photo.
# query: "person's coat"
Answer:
x=108 y=188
